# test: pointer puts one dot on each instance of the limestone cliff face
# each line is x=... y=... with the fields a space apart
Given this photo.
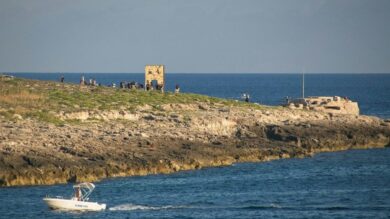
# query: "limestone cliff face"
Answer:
x=175 y=137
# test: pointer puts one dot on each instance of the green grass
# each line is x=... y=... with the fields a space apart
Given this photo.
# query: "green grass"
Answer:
x=45 y=116
x=42 y=99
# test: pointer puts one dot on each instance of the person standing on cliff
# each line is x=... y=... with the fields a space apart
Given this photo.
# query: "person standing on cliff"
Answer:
x=245 y=96
x=62 y=78
x=161 y=87
x=82 y=80
x=177 y=89
x=147 y=85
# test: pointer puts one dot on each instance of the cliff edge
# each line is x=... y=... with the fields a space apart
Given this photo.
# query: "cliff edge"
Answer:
x=56 y=133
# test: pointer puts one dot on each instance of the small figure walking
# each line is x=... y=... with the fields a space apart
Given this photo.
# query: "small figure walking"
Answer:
x=82 y=80
x=287 y=99
x=246 y=97
x=177 y=89
x=62 y=79
x=147 y=85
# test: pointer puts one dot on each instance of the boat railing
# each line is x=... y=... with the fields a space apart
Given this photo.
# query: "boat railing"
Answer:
x=57 y=196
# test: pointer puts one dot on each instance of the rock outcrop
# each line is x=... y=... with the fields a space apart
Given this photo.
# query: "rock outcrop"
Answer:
x=176 y=138
x=58 y=133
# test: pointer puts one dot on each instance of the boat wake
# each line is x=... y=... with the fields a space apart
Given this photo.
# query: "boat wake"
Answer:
x=132 y=207
x=263 y=207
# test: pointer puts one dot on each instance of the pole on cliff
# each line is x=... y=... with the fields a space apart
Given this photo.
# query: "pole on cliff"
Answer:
x=303 y=83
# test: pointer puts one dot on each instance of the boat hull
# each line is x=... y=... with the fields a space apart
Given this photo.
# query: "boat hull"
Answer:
x=73 y=205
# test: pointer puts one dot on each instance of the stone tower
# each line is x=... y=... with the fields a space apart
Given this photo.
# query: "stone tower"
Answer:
x=155 y=73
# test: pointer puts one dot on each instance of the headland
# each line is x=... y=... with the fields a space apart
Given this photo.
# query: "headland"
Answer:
x=57 y=132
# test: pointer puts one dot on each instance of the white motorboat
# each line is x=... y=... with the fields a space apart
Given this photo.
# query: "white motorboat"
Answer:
x=78 y=202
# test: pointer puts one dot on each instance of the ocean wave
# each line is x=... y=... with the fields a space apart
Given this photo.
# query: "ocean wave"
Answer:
x=333 y=208
x=133 y=207
x=315 y=208
x=259 y=207
x=298 y=208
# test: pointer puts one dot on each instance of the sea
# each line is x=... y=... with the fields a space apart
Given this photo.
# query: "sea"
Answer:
x=346 y=184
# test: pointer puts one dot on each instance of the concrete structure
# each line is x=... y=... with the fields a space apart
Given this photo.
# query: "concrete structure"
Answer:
x=154 y=73
x=334 y=104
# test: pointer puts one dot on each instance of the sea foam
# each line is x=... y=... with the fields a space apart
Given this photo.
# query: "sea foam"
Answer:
x=133 y=207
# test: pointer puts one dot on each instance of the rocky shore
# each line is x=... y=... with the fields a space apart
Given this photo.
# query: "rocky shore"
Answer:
x=90 y=144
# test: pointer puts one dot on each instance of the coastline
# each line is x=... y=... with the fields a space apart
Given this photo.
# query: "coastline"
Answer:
x=76 y=143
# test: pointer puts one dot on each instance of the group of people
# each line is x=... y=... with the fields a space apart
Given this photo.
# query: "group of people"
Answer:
x=155 y=86
x=90 y=82
x=159 y=87
x=125 y=84
x=245 y=97
x=131 y=85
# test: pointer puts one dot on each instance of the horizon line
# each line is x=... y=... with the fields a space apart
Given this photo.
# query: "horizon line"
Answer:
x=59 y=72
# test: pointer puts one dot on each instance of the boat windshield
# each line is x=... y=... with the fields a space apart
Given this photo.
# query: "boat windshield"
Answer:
x=83 y=190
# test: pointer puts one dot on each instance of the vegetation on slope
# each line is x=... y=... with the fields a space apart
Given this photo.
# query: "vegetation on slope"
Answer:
x=43 y=99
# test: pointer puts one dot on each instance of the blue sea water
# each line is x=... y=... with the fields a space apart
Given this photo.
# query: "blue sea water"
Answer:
x=372 y=91
x=348 y=184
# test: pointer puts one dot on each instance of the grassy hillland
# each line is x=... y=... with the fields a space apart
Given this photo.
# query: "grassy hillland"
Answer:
x=57 y=133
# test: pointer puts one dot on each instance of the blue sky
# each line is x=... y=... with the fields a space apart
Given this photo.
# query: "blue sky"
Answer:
x=202 y=36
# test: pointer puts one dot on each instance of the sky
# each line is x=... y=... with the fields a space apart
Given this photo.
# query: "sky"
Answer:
x=202 y=36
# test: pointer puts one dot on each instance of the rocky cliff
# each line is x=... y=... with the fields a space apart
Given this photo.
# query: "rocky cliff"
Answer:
x=55 y=133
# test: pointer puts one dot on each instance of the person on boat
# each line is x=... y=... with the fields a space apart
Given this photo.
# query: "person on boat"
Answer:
x=78 y=194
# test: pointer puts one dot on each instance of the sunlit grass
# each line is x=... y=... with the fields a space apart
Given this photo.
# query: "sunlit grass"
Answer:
x=43 y=100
